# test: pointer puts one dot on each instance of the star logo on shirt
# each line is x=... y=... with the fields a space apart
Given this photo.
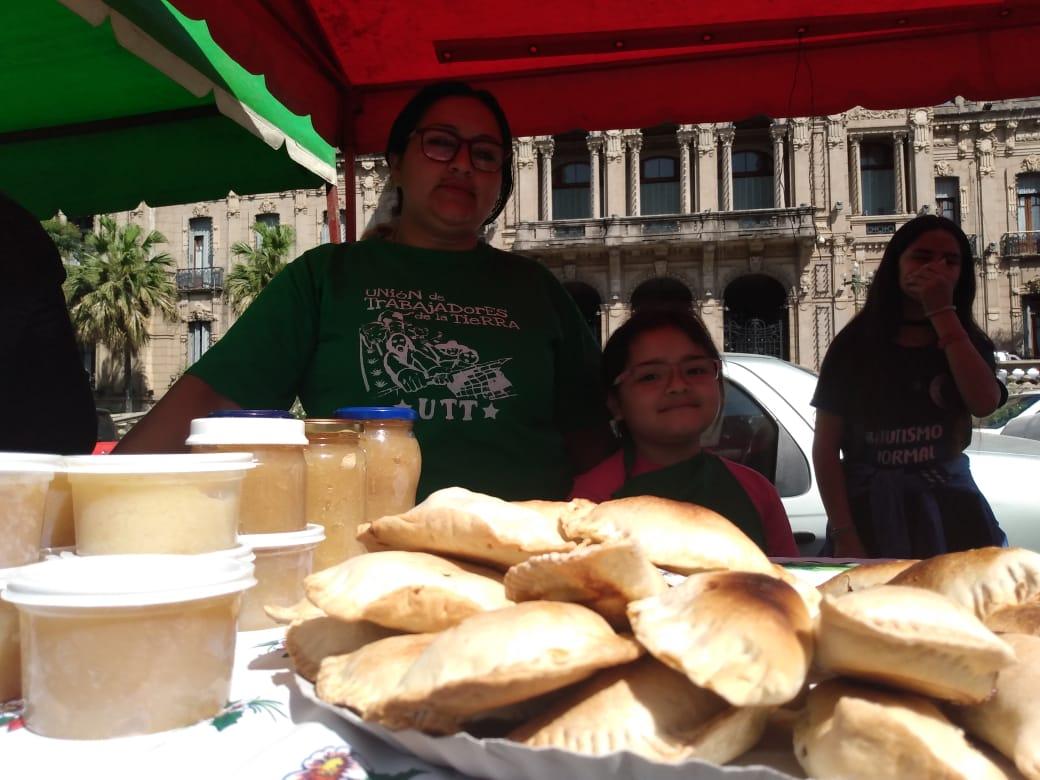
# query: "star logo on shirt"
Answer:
x=490 y=412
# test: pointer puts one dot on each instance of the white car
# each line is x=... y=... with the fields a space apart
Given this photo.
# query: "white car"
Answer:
x=768 y=425
x=1019 y=405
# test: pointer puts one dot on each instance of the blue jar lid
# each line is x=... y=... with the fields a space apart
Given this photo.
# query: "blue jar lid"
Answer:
x=280 y=414
x=376 y=413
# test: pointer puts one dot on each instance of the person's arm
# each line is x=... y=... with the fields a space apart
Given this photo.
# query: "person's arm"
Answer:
x=830 y=478
x=973 y=376
x=165 y=427
x=587 y=447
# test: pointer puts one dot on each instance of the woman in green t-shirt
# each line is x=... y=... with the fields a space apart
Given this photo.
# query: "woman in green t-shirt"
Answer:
x=484 y=345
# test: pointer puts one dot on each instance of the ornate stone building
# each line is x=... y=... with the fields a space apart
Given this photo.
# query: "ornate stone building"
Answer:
x=770 y=228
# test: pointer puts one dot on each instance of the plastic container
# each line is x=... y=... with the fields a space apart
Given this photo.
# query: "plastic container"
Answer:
x=282 y=563
x=120 y=645
x=393 y=460
x=24 y=479
x=10 y=653
x=59 y=521
x=335 y=487
x=156 y=503
x=273 y=493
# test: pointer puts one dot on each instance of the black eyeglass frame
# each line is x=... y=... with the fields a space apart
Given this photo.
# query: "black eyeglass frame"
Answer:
x=421 y=132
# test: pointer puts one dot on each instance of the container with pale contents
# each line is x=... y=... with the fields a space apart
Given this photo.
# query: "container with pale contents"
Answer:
x=156 y=503
x=59 y=523
x=24 y=481
x=283 y=562
x=273 y=493
x=129 y=644
x=392 y=457
x=335 y=487
x=10 y=655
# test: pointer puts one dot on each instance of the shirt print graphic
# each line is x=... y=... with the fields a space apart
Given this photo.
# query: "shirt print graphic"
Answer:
x=401 y=354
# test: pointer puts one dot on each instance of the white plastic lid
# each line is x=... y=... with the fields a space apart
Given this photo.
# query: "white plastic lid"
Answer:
x=6 y=575
x=159 y=464
x=312 y=535
x=246 y=430
x=29 y=463
x=103 y=581
x=239 y=552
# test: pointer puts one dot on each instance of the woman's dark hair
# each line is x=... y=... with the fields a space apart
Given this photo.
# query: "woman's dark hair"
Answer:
x=619 y=345
x=413 y=112
x=883 y=311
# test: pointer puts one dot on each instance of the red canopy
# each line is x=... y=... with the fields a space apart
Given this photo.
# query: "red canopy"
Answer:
x=558 y=65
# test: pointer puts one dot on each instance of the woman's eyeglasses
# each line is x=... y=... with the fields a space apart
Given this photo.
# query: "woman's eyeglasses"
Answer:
x=691 y=370
x=441 y=145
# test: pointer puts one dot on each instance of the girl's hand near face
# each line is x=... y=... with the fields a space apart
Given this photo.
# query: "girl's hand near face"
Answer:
x=930 y=286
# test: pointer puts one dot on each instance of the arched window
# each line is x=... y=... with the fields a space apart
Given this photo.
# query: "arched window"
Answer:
x=752 y=180
x=877 y=178
x=570 y=191
x=659 y=187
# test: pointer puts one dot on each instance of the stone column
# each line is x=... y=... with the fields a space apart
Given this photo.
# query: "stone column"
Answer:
x=614 y=170
x=726 y=135
x=544 y=145
x=855 y=193
x=595 y=144
x=707 y=173
x=922 y=163
x=634 y=144
x=778 y=131
x=899 y=164
x=685 y=135
x=525 y=190
x=801 y=175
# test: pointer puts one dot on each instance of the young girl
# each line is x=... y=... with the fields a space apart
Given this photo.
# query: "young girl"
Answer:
x=663 y=376
x=895 y=397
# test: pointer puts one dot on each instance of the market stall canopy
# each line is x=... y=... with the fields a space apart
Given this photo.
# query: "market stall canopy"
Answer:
x=559 y=66
x=108 y=104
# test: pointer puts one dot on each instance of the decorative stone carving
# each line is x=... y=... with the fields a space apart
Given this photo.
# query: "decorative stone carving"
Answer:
x=799 y=132
x=987 y=127
x=984 y=155
x=545 y=146
x=201 y=210
x=233 y=208
x=634 y=143
x=267 y=207
x=1031 y=164
x=705 y=139
x=864 y=113
x=726 y=136
x=835 y=126
x=943 y=168
x=822 y=280
x=523 y=152
x=920 y=125
x=964 y=144
x=595 y=143
x=685 y=135
x=823 y=333
x=1009 y=136
x=614 y=151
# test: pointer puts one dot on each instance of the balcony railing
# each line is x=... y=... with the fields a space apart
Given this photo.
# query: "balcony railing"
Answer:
x=195 y=279
x=1024 y=244
x=705 y=226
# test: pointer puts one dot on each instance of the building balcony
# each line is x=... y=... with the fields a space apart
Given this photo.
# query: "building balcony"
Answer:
x=199 y=279
x=1024 y=244
x=764 y=224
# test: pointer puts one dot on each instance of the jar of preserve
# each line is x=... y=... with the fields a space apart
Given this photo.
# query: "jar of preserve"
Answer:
x=392 y=457
x=335 y=487
x=273 y=493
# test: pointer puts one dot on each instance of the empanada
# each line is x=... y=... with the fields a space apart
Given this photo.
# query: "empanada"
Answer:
x=1010 y=721
x=301 y=610
x=912 y=639
x=603 y=577
x=983 y=580
x=745 y=636
x=494 y=659
x=311 y=640
x=854 y=732
x=1022 y=619
x=556 y=511
x=406 y=591
x=462 y=524
x=675 y=535
x=863 y=576
x=647 y=709
x=809 y=594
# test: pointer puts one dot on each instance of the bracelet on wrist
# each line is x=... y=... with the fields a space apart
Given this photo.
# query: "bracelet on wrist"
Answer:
x=940 y=310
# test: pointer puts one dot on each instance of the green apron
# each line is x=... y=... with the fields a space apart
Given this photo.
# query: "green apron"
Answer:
x=703 y=479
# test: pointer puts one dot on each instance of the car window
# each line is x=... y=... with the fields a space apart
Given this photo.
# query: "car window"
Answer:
x=1015 y=406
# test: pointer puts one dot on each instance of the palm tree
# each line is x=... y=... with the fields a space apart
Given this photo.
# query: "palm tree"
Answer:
x=67 y=237
x=114 y=290
x=259 y=264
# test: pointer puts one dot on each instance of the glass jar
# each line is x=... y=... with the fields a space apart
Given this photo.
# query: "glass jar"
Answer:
x=273 y=493
x=392 y=457
x=335 y=487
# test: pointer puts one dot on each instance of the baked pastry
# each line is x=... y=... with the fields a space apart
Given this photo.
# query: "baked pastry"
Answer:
x=647 y=709
x=810 y=596
x=1010 y=721
x=495 y=659
x=314 y=639
x=863 y=576
x=912 y=639
x=854 y=732
x=556 y=511
x=462 y=524
x=1023 y=619
x=362 y=680
x=406 y=591
x=983 y=580
x=301 y=610
x=745 y=636
x=675 y=535
x=603 y=577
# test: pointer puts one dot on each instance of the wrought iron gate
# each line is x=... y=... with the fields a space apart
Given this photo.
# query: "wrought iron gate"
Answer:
x=756 y=336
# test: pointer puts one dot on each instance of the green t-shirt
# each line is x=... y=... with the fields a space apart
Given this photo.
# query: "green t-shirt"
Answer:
x=486 y=346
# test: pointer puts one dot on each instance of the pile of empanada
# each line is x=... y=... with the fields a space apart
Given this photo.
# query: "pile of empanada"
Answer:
x=552 y=624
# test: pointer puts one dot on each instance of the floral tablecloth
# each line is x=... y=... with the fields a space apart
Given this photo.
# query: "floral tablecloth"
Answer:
x=267 y=731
